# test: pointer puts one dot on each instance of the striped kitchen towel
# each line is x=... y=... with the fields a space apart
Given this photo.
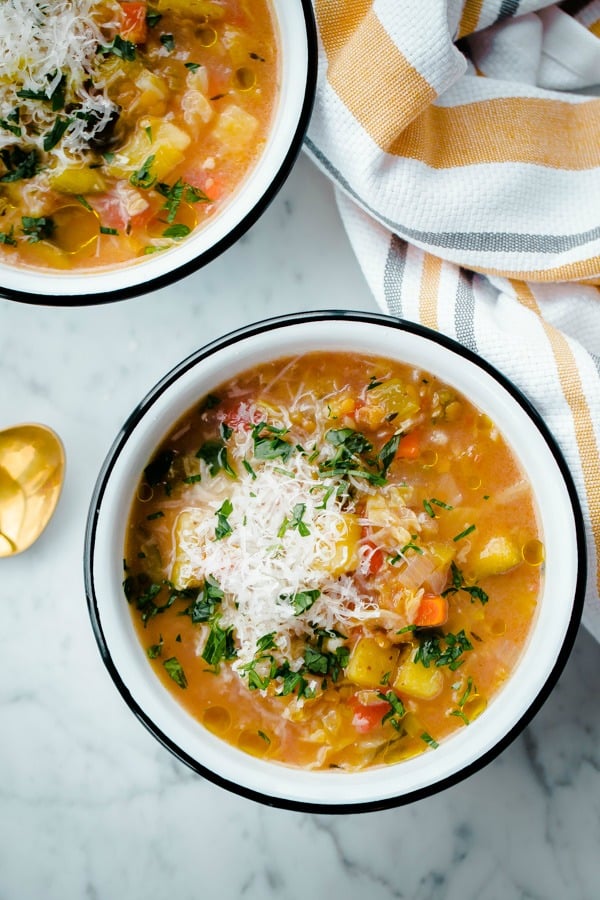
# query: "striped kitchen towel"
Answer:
x=463 y=137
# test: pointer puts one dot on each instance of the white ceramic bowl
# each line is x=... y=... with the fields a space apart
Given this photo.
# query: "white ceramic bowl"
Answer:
x=546 y=650
x=298 y=67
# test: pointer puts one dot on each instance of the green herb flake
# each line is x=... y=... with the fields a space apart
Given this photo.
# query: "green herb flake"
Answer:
x=177 y=232
x=192 y=479
x=303 y=600
x=441 y=503
x=168 y=41
x=429 y=740
x=223 y=528
x=214 y=454
x=429 y=509
x=121 y=48
x=175 y=671
x=159 y=514
x=37 y=228
x=7 y=238
x=464 y=534
x=153 y=18
x=105 y=230
x=143 y=178
x=249 y=469
x=265 y=737
x=155 y=650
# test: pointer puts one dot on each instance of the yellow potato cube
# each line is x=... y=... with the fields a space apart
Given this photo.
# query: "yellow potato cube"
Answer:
x=498 y=556
x=82 y=180
x=341 y=556
x=235 y=129
x=370 y=665
x=417 y=681
x=184 y=572
x=161 y=142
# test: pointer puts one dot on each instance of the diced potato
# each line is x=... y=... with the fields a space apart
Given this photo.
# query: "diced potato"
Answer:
x=417 y=681
x=342 y=405
x=395 y=397
x=343 y=556
x=235 y=129
x=153 y=94
x=498 y=556
x=155 y=138
x=370 y=664
x=185 y=573
x=81 y=180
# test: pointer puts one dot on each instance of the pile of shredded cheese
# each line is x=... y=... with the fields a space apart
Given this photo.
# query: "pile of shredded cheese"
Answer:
x=44 y=43
x=259 y=568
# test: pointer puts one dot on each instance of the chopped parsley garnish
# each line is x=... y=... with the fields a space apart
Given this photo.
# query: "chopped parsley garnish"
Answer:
x=168 y=41
x=214 y=454
x=209 y=402
x=155 y=650
x=37 y=228
x=105 y=230
x=159 y=514
x=143 y=178
x=463 y=534
x=223 y=528
x=458 y=584
x=387 y=453
x=429 y=509
x=7 y=238
x=153 y=18
x=303 y=600
x=443 y=649
x=350 y=446
x=177 y=232
x=295 y=522
x=19 y=164
x=269 y=443
x=264 y=736
x=11 y=126
x=178 y=192
x=192 y=66
x=121 y=48
x=175 y=671
x=396 y=712
x=441 y=503
x=219 y=644
x=429 y=740
x=204 y=606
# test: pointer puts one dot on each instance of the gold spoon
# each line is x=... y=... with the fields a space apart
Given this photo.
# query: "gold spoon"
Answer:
x=32 y=466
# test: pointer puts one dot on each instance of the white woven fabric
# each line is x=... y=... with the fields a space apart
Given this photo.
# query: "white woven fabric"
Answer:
x=464 y=142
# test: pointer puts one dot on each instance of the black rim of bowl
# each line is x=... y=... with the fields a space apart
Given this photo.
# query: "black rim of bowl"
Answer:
x=283 y=322
x=185 y=269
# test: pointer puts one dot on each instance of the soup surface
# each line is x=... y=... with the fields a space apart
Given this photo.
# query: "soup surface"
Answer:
x=333 y=561
x=124 y=126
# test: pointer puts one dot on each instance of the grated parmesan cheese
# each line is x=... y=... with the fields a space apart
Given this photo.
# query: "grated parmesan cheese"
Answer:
x=41 y=45
x=260 y=568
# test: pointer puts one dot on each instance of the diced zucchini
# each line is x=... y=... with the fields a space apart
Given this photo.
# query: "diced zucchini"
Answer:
x=417 y=681
x=370 y=665
x=395 y=397
x=156 y=140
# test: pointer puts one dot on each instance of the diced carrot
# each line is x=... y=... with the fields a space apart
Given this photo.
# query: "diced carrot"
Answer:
x=409 y=446
x=134 y=27
x=433 y=610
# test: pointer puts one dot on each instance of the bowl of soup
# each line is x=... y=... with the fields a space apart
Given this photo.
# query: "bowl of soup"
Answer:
x=334 y=561
x=138 y=140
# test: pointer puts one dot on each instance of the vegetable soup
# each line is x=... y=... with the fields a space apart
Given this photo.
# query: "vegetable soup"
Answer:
x=333 y=561
x=124 y=126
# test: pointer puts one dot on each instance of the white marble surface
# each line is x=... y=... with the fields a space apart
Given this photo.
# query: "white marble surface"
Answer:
x=90 y=805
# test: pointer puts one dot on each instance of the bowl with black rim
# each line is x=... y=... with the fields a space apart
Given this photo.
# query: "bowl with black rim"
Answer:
x=295 y=27
x=555 y=622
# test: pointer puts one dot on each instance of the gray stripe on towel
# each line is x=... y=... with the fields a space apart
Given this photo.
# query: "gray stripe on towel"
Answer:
x=464 y=311
x=393 y=275
x=480 y=241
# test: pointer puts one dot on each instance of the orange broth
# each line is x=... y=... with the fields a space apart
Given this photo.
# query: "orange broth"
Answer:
x=138 y=140
x=333 y=561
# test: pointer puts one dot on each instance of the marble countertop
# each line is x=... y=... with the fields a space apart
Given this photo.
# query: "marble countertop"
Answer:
x=90 y=805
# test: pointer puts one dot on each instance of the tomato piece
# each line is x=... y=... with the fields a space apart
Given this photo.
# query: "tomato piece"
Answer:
x=134 y=27
x=375 y=558
x=239 y=417
x=369 y=709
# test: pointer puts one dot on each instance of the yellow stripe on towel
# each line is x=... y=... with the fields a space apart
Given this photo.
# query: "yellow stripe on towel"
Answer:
x=572 y=388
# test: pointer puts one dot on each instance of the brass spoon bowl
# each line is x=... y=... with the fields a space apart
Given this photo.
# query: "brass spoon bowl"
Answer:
x=32 y=466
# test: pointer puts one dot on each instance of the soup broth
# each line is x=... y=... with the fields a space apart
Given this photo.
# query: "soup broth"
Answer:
x=334 y=561
x=125 y=126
